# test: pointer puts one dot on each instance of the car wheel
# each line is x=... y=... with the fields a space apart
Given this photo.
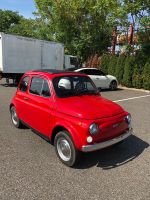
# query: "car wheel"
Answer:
x=119 y=143
x=14 y=117
x=113 y=85
x=65 y=149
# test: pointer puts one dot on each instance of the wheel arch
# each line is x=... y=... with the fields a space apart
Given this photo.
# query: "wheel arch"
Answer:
x=11 y=105
x=55 y=130
x=72 y=133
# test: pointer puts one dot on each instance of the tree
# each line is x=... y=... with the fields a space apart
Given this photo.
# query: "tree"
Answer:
x=34 y=28
x=80 y=24
x=8 y=19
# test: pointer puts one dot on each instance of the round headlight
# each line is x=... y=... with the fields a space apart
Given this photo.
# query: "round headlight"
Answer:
x=128 y=119
x=94 y=129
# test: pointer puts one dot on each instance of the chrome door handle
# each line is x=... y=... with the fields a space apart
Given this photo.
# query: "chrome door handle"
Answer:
x=25 y=98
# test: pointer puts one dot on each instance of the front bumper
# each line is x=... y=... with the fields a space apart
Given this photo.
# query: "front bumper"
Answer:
x=101 y=145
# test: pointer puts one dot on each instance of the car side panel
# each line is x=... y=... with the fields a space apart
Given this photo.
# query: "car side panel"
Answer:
x=39 y=113
x=21 y=102
x=100 y=81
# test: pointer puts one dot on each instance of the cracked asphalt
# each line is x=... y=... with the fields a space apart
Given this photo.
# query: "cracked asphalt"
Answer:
x=30 y=169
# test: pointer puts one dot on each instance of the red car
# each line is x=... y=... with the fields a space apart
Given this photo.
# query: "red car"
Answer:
x=67 y=108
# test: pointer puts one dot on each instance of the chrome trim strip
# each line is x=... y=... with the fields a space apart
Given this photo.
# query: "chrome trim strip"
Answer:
x=105 y=144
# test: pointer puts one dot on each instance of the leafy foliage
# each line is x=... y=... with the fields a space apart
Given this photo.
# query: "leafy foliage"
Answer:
x=136 y=77
x=146 y=76
x=119 y=68
x=81 y=25
x=34 y=28
x=131 y=71
x=8 y=19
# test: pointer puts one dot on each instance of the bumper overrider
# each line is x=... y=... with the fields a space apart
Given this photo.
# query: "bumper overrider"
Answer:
x=101 y=145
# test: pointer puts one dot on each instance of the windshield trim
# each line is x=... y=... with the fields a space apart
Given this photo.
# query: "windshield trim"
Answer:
x=96 y=92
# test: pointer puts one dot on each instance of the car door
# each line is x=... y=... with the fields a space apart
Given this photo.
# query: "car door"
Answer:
x=21 y=99
x=98 y=77
x=40 y=105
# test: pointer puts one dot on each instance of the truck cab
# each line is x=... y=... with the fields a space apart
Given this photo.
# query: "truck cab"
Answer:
x=70 y=61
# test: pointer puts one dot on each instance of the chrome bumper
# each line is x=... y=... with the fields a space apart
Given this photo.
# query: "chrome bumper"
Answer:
x=105 y=144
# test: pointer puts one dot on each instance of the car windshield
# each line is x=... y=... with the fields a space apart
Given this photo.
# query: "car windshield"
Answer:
x=67 y=86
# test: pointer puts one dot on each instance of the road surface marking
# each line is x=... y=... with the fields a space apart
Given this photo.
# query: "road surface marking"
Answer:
x=132 y=98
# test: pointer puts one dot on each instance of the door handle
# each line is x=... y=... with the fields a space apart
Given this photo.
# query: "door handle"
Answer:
x=25 y=98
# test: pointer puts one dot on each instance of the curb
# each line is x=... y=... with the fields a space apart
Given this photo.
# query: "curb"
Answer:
x=133 y=89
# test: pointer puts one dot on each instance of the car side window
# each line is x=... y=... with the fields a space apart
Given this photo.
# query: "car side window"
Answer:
x=45 y=89
x=99 y=73
x=94 y=72
x=36 y=85
x=24 y=84
x=89 y=71
x=85 y=71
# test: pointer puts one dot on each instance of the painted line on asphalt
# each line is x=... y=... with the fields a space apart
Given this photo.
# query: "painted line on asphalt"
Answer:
x=132 y=98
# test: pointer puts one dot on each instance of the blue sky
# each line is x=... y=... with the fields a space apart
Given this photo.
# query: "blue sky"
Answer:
x=24 y=7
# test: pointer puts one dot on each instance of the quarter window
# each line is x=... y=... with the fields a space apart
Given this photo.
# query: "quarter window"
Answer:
x=24 y=84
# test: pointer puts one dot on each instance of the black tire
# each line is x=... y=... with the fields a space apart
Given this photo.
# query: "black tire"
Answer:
x=113 y=85
x=70 y=155
x=14 y=118
x=119 y=143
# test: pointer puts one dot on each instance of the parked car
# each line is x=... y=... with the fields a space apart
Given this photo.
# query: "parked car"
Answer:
x=100 y=79
x=67 y=108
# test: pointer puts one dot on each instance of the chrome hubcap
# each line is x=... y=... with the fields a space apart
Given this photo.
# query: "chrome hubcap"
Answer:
x=63 y=148
x=14 y=116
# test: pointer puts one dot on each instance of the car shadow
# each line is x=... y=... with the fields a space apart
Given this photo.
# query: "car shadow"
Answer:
x=114 y=156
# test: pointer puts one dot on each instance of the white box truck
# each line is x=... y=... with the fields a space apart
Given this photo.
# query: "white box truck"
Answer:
x=20 y=54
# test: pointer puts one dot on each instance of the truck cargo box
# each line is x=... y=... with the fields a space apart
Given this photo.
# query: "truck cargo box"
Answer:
x=19 y=54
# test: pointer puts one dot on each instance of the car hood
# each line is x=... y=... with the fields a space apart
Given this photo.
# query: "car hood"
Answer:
x=88 y=107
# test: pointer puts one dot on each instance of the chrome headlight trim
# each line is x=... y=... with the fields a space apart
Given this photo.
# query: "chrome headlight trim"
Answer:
x=94 y=129
x=128 y=119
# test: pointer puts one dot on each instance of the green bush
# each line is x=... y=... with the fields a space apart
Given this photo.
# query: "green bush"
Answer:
x=104 y=63
x=131 y=71
x=112 y=65
x=128 y=70
x=146 y=76
x=119 y=70
x=137 y=77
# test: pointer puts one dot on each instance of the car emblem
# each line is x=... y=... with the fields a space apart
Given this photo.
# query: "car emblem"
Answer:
x=115 y=125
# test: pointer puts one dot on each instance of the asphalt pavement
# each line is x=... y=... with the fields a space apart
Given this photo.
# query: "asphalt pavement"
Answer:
x=30 y=169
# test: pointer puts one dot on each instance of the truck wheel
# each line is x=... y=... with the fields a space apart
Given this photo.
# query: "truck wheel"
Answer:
x=14 y=117
x=65 y=149
x=113 y=85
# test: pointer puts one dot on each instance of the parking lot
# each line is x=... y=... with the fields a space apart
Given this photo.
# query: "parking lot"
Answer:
x=30 y=169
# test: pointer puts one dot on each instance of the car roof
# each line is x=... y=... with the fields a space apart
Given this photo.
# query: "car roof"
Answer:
x=52 y=72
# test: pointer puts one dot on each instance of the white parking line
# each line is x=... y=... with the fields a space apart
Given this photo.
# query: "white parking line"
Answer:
x=132 y=98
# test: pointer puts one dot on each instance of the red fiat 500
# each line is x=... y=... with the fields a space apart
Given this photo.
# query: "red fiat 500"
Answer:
x=67 y=108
